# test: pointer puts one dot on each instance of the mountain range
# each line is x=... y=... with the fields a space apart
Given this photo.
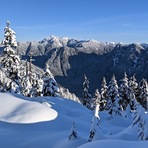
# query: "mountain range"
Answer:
x=70 y=59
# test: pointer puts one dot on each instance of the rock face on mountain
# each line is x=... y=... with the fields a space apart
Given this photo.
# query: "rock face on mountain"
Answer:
x=70 y=59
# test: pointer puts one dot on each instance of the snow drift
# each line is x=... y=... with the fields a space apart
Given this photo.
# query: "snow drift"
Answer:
x=16 y=110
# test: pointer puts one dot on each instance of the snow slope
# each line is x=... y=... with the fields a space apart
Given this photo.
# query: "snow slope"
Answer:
x=115 y=144
x=49 y=120
x=45 y=122
x=16 y=110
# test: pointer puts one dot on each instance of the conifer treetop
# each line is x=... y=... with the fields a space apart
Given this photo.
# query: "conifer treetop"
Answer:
x=9 y=36
x=8 y=23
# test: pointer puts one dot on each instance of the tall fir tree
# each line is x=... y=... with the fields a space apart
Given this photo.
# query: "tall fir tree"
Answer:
x=87 y=98
x=50 y=86
x=10 y=61
x=1 y=80
x=9 y=36
x=124 y=92
x=104 y=94
x=26 y=86
x=29 y=81
x=113 y=98
x=39 y=87
x=95 y=129
x=133 y=85
x=143 y=94
x=97 y=98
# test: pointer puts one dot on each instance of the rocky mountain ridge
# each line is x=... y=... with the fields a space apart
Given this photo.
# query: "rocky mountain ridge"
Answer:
x=70 y=59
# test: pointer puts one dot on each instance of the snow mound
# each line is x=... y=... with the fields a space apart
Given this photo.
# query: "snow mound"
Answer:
x=16 y=110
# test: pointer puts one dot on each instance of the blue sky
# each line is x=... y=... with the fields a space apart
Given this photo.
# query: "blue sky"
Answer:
x=103 y=20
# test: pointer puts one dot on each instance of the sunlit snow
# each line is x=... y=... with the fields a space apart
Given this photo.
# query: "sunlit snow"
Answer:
x=45 y=122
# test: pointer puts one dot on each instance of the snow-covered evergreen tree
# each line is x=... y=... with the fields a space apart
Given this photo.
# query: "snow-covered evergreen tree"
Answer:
x=95 y=128
x=130 y=105
x=136 y=107
x=7 y=84
x=10 y=61
x=87 y=98
x=31 y=83
x=124 y=92
x=50 y=86
x=133 y=85
x=26 y=86
x=34 y=80
x=97 y=97
x=65 y=93
x=73 y=133
x=39 y=87
x=143 y=94
x=1 y=80
x=116 y=109
x=9 y=36
x=104 y=94
x=113 y=98
x=140 y=121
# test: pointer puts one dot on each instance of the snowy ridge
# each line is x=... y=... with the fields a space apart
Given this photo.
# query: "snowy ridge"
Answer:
x=57 y=42
x=69 y=59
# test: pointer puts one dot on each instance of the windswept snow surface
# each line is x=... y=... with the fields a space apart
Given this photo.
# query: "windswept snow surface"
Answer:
x=45 y=122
